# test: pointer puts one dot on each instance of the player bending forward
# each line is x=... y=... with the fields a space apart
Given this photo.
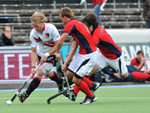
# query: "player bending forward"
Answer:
x=84 y=62
x=110 y=54
x=43 y=37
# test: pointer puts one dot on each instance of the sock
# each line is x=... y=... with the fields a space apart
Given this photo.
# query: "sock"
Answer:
x=76 y=89
x=55 y=77
x=33 y=85
x=139 y=75
x=87 y=81
x=85 y=89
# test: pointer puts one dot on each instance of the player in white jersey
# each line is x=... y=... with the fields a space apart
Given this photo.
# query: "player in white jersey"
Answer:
x=43 y=38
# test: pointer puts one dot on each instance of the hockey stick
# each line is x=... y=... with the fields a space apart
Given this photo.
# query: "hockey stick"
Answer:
x=9 y=102
x=61 y=92
x=61 y=63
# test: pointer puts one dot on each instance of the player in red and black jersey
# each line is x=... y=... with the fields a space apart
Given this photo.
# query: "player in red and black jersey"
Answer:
x=84 y=62
x=110 y=53
x=81 y=34
x=105 y=43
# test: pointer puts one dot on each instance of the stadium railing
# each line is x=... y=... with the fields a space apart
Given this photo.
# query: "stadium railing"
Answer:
x=56 y=5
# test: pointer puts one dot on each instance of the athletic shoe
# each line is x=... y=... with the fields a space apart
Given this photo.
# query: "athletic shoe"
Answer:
x=73 y=96
x=88 y=100
x=61 y=86
x=22 y=97
x=95 y=86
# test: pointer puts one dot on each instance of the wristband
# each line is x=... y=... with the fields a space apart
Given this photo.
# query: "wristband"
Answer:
x=58 y=55
x=47 y=54
x=33 y=67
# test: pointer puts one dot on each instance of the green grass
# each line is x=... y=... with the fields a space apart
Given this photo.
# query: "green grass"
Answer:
x=110 y=100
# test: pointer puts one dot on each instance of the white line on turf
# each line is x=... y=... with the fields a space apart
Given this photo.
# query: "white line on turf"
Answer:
x=118 y=86
x=100 y=98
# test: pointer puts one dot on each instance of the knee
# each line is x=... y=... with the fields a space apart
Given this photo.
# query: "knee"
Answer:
x=76 y=80
x=69 y=74
x=40 y=73
x=73 y=80
x=49 y=75
x=123 y=76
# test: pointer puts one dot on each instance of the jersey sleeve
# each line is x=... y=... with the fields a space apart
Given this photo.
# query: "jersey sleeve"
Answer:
x=55 y=34
x=69 y=27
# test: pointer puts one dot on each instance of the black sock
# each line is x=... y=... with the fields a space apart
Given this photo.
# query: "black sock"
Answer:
x=33 y=85
x=56 y=78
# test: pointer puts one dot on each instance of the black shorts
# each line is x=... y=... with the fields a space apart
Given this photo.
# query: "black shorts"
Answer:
x=50 y=59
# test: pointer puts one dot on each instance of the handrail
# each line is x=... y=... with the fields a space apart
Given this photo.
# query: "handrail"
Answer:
x=55 y=5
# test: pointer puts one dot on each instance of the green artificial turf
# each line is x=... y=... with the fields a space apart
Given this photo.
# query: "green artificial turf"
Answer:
x=110 y=100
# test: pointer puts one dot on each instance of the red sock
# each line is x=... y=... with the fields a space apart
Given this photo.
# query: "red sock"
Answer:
x=87 y=81
x=139 y=75
x=85 y=89
x=76 y=89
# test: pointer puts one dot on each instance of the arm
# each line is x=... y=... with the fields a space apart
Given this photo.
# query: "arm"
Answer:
x=145 y=10
x=33 y=53
x=56 y=36
x=117 y=75
x=148 y=12
x=12 y=41
x=60 y=43
x=141 y=64
x=52 y=51
x=71 y=54
x=147 y=69
x=33 y=60
x=103 y=5
x=14 y=45
x=33 y=56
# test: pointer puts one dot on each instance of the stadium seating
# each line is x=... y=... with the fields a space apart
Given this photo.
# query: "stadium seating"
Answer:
x=117 y=14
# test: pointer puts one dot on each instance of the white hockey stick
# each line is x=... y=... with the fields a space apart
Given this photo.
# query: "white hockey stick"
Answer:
x=61 y=63
x=9 y=102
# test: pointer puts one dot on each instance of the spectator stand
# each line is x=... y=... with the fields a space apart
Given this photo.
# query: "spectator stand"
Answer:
x=118 y=14
x=7 y=18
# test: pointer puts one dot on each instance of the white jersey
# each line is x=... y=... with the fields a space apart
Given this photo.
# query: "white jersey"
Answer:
x=44 y=41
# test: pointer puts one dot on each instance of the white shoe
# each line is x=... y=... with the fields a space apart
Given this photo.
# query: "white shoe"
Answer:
x=95 y=86
x=88 y=100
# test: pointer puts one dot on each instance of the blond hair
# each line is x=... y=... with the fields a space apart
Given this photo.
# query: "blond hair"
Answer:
x=38 y=17
x=66 y=12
